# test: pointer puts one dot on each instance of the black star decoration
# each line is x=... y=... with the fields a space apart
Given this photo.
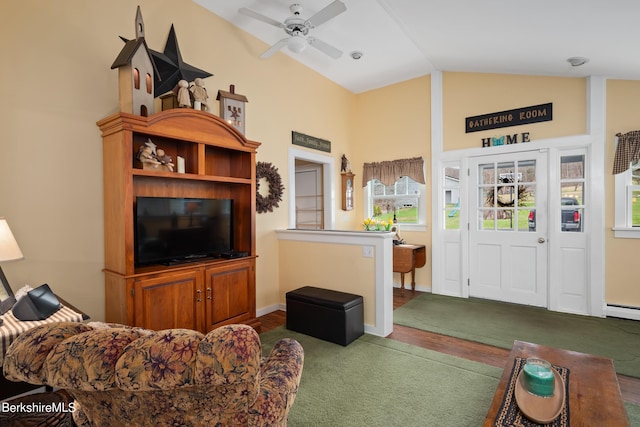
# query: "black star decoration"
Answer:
x=171 y=67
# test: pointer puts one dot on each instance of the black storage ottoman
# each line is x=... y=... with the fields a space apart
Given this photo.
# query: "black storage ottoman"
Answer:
x=329 y=315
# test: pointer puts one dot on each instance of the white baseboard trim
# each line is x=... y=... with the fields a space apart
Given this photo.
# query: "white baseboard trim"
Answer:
x=283 y=306
x=368 y=329
x=269 y=309
x=631 y=313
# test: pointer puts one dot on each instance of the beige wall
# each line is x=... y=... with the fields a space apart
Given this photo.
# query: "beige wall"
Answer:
x=623 y=115
x=343 y=268
x=472 y=94
x=392 y=123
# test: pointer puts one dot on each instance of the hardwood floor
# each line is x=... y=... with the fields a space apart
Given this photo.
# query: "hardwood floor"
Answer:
x=629 y=387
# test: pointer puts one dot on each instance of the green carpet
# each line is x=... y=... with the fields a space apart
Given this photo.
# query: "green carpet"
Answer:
x=499 y=324
x=633 y=411
x=382 y=382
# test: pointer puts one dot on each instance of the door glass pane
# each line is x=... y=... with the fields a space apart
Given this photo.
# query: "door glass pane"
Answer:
x=486 y=219
x=526 y=201
x=486 y=197
x=572 y=167
x=451 y=198
x=505 y=220
x=527 y=171
x=506 y=172
x=572 y=192
x=486 y=174
x=506 y=196
x=520 y=221
x=530 y=209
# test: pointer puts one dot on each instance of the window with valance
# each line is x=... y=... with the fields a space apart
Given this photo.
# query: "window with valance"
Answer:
x=390 y=171
x=396 y=190
x=626 y=168
x=627 y=151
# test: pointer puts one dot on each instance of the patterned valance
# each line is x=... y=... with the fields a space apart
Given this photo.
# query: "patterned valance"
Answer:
x=388 y=172
x=627 y=151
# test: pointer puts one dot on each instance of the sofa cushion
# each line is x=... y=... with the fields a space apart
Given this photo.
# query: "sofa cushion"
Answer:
x=88 y=361
x=33 y=346
x=161 y=360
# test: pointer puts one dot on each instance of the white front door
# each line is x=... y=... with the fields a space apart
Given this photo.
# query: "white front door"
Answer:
x=508 y=251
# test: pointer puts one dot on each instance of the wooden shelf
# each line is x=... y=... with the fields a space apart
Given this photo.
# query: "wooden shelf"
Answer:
x=190 y=176
x=219 y=163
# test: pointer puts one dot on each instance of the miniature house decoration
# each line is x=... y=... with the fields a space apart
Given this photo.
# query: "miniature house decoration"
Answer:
x=144 y=74
x=232 y=107
x=136 y=71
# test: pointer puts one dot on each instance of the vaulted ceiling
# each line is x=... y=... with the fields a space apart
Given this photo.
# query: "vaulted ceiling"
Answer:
x=403 y=39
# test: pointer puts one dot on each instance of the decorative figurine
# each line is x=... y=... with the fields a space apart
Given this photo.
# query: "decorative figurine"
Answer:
x=145 y=155
x=199 y=95
x=164 y=159
x=184 y=99
x=152 y=157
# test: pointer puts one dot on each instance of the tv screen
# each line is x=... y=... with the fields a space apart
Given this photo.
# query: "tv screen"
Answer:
x=173 y=230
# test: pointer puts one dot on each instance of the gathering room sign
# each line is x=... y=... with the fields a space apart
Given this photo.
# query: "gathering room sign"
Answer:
x=508 y=118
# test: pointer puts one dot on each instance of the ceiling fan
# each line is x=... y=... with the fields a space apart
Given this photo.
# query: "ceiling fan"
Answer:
x=297 y=28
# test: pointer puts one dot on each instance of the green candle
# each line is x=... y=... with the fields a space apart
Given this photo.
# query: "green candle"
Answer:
x=538 y=377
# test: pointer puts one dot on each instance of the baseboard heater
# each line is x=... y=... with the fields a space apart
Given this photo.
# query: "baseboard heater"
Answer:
x=623 y=311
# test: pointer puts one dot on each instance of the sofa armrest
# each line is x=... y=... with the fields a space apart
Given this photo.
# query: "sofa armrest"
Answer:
x=26 y=356
x=279 y=379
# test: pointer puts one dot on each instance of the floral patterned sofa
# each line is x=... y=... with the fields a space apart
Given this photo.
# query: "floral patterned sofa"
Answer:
x=124 y=376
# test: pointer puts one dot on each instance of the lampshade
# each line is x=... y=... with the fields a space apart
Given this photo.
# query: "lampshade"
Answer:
x=9 y=249
x=297 y=43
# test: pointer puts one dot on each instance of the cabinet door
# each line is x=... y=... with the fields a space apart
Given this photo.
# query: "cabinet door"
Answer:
x=230 y=293
x=171 y=300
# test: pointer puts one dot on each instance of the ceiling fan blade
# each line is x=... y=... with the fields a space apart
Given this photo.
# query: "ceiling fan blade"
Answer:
x=260 y=17
x=324 y=47
x=332 y=10
x=273 y=49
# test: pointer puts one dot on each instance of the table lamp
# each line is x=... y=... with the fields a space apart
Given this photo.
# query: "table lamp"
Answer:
x=9 y=251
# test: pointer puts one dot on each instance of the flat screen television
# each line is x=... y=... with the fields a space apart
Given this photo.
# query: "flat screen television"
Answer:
x=174 y=230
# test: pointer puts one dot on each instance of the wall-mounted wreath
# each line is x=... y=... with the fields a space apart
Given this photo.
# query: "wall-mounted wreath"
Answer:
x=270 y=174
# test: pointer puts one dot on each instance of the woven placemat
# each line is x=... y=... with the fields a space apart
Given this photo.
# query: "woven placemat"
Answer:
x=510 y=415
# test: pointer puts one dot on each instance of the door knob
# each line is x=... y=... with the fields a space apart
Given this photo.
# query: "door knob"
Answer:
x=541 y=240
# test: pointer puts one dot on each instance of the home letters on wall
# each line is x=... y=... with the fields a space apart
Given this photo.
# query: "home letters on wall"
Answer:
x=503 y=119
x=516 y=138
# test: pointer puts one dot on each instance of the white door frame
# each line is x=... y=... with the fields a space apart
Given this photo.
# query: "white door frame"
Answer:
x=327 y=176
x=450 y=247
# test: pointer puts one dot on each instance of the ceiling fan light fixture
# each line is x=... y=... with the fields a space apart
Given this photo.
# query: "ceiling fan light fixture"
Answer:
x=577 y=61
x=297 y=43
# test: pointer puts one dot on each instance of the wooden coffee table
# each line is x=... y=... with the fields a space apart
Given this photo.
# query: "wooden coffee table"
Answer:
x=594 y=394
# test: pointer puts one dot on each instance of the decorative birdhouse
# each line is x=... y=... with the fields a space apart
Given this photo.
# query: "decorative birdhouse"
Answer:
x=232 y=107
x=136 y=70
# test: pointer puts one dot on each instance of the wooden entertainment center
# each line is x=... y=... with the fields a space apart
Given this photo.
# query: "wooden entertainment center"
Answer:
x=219 y=163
